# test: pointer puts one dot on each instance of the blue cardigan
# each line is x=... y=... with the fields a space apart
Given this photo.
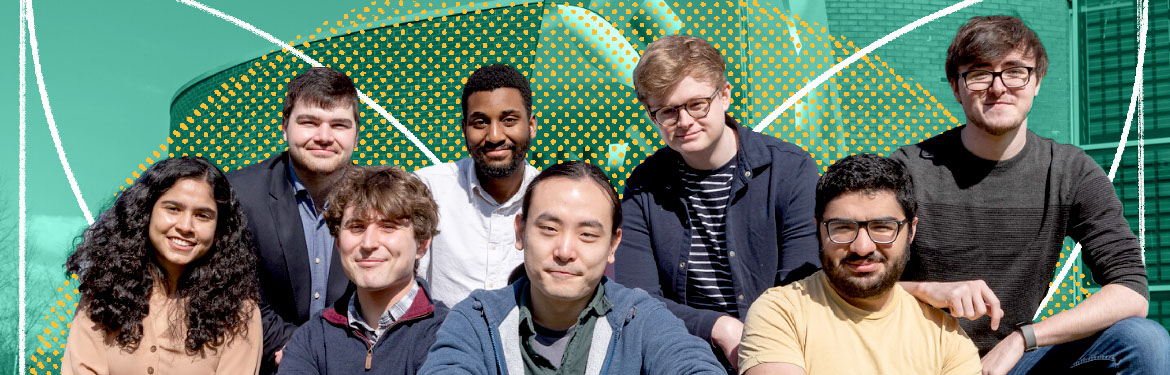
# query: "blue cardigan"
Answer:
x=771 y=233
x=481 y=336
x=327 y=345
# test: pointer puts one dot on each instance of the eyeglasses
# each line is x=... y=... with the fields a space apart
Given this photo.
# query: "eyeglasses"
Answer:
x=696 y=108
x=843 y=231
x=979 y=80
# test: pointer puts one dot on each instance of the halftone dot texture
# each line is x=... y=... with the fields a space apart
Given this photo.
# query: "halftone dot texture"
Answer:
x=578 y=57
x=413 y=57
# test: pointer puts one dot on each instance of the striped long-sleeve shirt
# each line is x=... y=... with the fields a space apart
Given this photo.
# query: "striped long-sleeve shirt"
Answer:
x=709 y=284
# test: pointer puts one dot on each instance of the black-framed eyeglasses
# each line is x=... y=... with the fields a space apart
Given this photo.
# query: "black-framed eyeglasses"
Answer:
x=696 y=108
x=979 y=80
x=844 y=231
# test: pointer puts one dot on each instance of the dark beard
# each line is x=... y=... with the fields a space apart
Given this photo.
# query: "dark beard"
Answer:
x=519 y=156
x=853 y=288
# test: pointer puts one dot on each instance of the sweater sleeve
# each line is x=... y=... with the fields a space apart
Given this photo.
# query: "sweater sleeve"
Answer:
x=299 y=356
x=671 y=350
x=636 y=266
x=242 y=354
x=457 y=348
x=1096 y=222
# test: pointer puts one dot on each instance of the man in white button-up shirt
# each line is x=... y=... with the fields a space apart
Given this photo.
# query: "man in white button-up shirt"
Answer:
x=479 y=196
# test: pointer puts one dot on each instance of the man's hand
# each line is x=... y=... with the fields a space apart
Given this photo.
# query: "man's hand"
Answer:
x=726 y=334
x=965 y=299
x=1004 y=355
x=278 y=355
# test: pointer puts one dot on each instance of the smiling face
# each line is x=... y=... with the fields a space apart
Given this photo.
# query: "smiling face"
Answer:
x=863 y=268
x=498 y=129
x=998 y=110
x=568 y=238
x=182 y=224
x=320 y=140
x=697 y=139
x=377 y=253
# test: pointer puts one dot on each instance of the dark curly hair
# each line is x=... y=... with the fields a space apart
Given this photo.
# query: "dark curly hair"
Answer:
x=866 y=173
x=497 y=76
x=115 y=263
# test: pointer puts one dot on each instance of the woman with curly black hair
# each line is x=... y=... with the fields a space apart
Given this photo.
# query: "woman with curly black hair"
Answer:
x=168 y=282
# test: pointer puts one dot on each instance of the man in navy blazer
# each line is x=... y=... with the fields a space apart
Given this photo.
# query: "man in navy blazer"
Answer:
x=284 y=200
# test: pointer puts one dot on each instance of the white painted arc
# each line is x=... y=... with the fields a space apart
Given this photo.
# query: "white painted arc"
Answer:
x=1135 y=104
x=1141 y=125
x=32 y=39
x=362 y=96
x=22 y=220
x=857 y=56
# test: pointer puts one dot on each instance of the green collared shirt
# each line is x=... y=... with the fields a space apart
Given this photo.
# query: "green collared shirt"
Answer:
x=575 y=356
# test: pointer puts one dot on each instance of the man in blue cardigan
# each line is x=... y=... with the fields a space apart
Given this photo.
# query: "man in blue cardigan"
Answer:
x=564 y=316
x=722 y=213
x=383 y=219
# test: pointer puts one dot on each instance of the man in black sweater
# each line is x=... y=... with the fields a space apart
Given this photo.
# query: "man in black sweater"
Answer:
x=996 y=202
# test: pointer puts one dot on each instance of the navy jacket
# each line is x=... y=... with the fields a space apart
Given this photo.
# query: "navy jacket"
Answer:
x=327 y=344
x=282 y=258
x=637 y=336
x=771 y=233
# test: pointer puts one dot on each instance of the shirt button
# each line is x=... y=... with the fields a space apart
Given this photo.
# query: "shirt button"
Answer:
x=153 y=348
x=682 y=265
x=150 y=370
x=747 y=173
x=318 y=260
x=740 y=297
x=732 y=254
x=317 y=295
x=493 y=247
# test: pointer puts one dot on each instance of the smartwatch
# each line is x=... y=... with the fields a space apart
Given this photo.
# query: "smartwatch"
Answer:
x=1029 y=336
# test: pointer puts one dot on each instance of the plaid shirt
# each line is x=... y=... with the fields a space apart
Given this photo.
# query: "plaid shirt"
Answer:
x=386 y=320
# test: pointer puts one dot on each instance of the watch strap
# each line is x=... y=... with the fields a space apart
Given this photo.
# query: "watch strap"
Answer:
x=1029 y=337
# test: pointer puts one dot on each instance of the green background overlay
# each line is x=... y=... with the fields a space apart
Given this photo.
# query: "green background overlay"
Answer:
x=113 y=71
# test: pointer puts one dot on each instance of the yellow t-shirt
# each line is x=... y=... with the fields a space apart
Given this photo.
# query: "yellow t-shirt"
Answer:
x=807 y=324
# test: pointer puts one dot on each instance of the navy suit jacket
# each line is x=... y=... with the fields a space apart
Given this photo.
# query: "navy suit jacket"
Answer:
x=274 y=221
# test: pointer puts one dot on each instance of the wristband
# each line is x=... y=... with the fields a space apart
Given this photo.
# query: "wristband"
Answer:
x=1029 y=336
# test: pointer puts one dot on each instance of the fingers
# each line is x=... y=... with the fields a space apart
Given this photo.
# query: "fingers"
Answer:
x=965 y=299
x=994 y=309
x=968 y=308
x=974 y=299
x=979 y=305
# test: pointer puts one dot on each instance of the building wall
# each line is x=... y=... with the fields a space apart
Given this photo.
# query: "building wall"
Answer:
x=921 y=53
x=1108 y=48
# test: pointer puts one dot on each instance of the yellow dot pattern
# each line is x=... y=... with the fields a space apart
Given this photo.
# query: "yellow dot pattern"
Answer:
x=46 y=356
x=1073 y=288
x=412 y=58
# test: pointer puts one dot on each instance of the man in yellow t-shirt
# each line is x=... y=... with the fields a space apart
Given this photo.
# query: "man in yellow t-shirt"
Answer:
x=852 y=317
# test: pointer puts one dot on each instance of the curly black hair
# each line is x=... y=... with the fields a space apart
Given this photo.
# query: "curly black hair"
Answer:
x=497 y=76
x=116 y=264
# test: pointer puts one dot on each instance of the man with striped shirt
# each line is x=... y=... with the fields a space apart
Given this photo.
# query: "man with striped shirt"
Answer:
x=720 y=214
